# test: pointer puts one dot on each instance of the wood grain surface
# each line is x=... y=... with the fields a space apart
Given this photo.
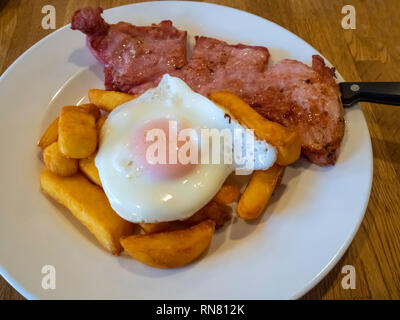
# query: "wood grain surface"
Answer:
x=371 y=52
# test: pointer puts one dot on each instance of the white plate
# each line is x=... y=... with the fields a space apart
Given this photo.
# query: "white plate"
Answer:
x=307 y=227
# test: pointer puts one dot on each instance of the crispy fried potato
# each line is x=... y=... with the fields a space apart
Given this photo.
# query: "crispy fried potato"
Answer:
x=92 y=109
x=170 y=249
x=100 y=123
x=108 y=100
x=218 y=212
x=196 y=218
x=258 y=192
x=89 y=204
x=228 y=193
x=88 y=167
x=57 y=163
x=50 y=135
x=286 y=141
x=155 y=227
x=215 y=211
x=77 y=134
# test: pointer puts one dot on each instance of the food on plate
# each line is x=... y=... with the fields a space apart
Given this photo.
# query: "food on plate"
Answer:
x=91 y=109
x=155 y=200
x=155 y=227
x=229 y=193
x=100 y=122
x=216 y=210
x=160 y=107
x=57 y=163
x=90 y=206
x=216 y=65
x=108 y=100
x=133 y=57
x=213 y=210
x=285 y=140
x=50 y=135
x=88 y=201
x=305 y=99
x=140 y=191
x=89 y=169
x=77 y=134
x=258 y=192
x=170 y=249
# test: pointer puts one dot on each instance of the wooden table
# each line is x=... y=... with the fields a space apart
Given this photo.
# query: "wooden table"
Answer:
x=371 y=52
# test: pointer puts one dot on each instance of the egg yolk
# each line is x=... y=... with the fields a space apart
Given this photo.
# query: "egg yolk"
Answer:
x=140 y=145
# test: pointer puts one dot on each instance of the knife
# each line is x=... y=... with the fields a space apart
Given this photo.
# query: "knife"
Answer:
x=377 y=92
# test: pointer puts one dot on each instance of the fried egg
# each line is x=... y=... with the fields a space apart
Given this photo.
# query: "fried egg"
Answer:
x=143 y=190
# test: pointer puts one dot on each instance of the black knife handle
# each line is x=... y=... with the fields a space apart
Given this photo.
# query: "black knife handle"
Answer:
x=377 y=92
